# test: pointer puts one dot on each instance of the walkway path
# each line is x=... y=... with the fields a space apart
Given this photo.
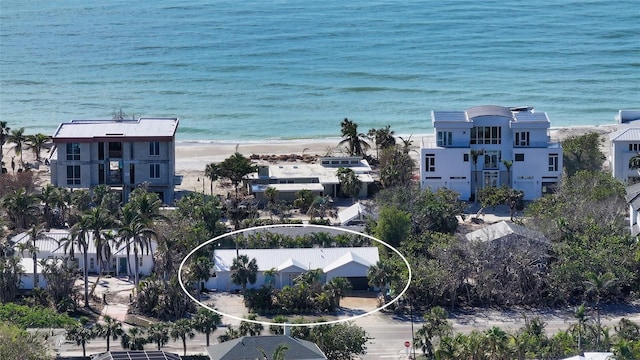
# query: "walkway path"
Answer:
x=116 y=291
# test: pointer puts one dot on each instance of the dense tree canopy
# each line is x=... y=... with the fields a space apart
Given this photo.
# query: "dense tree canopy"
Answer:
x=582 y=152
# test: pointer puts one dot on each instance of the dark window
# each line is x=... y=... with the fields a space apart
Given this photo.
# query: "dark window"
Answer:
x=519 y=157
x=154 y=171
x=73 y=151
x=154 y=148
x=430 y=162
x=100 y=151
x=73 y=175
x=465 y=157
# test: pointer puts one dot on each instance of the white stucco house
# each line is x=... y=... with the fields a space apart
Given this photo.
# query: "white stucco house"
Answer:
x=320 y=178
x=52 y=246
x=625 y=144
x=351 y=263
x=493 y=133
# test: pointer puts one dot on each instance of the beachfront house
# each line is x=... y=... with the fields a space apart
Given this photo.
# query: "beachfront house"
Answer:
x=351 y=263
x=625 y=146
x=633 y=200
x=320 y=178
x=52 y=246
x=491 y=146
x=119 y=153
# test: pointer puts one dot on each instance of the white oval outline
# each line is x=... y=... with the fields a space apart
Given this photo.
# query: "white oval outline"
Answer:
x=267 y=323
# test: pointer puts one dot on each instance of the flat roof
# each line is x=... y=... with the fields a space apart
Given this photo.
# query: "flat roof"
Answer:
x=106 y=129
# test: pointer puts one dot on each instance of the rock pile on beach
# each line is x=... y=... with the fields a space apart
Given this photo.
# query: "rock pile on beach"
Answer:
x=285 y=158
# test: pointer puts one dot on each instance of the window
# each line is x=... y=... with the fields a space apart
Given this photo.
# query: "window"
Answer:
x=140 y=261
x=73 y=151
x=491 y=159
x=91 y=263
x=430 y=163
x=73 y=175
x=522 y=138
x=154 y=171
x=115 y=149
x=465 y=157
x=553 y=162
x=519 y=157
x=154 y=148
x=486 y=135
x=445 y=138
x=634 y=147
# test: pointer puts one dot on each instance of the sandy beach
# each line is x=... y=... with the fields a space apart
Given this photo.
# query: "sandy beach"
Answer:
x=193 y=156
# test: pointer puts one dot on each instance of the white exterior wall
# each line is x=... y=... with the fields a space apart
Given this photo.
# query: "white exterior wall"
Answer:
x=532 y=175
x=454 y=173
x=620 y=156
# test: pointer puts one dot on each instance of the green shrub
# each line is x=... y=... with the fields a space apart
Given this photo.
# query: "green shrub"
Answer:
x=33 y=317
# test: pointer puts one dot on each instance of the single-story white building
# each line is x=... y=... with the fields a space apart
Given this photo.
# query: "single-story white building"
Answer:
x=319 y=178
x=351 y=263
x=52 y=246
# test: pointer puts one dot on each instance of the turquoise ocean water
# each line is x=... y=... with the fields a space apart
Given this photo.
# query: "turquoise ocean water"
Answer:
x=257 y=70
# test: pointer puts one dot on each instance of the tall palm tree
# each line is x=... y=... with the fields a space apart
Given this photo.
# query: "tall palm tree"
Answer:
x=99 y=219
x=4 y=136
x=382 y=138
x=110 y=329
x=21 y=207
x=508 y=164
x=356 y=143
x=497 y=341
x=212 y=171
x=206 y=322
x=182 y=329
x=244 y=271
x=36 y=233
x=37 y=142
x=134 y=231
x=435 y=326
x=200 y=271
x=158 y=333
x=52 y=198
x=19 y=139
x=596 y=285
x=379 y=275
x=79 y=236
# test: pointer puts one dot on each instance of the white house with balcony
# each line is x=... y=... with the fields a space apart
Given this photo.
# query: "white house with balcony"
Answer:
x=625 y=144
x=490 y=134
x=119 y=153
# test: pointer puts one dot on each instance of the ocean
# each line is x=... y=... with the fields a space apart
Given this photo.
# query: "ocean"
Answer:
x=293 y=69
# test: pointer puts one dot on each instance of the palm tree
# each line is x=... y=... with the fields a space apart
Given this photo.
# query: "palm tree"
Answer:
x=37 y=142
x=17 y=137
x=349 y=182
x=337 y=288
x=356 y=143
x=212 y=171
x=81 y=335
x=244 y=271
x=159 y=333
x=271 y=194
x=597 y=284
x=497 y=341
x=435 y=326
x=200 y=271
x=379 y=275
x=134 y=339
x=110 y=329
x=278 y=353
x=206 y=322
x=475 y=154
x=98 y=219
x=135 y=232
x=182 y=329
x=581 y=326
x=52 y=198
x=36 y=233
x=382 y=137
x=78 y=236
x=4 y=136
x=250 y=328
x=21 y=207
x=230 y=334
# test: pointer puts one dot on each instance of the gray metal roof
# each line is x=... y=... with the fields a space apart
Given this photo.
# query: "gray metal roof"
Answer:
x=489 y=110
x=632 y=195
x=629 y=134
x=248 y=347
x=449 y=116
x=305 y=258
x=143 y=127
x=626 y=116
x=503 y=229
x=531 y=117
